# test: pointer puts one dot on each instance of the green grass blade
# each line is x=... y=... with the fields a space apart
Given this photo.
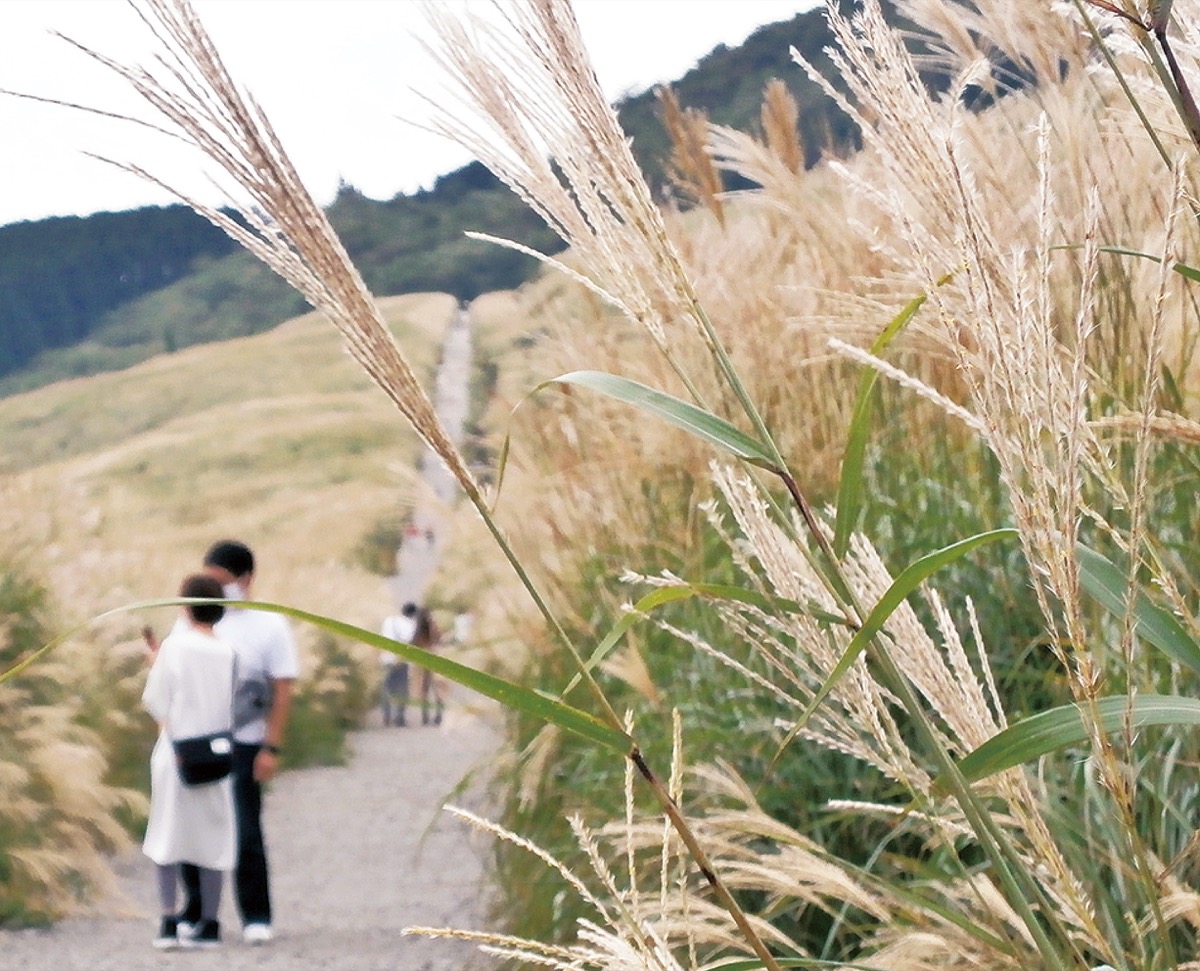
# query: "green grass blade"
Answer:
x=1189 y=272
x=1107 y=585
x=908 y=581
x=753 y=964
x=644 y=606
x=506 y=692
x=688 y=591
x=501 y=466
x=849 y=498
x=1185 y=271
x=1049 y=731
x=682 y=414
x=721 y=591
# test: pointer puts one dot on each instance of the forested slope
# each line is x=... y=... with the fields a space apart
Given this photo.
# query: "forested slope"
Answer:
x=84 y=295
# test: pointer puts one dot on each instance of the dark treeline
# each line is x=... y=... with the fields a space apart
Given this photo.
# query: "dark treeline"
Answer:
x=727 y=85
x=82 y=295
x=59 y=277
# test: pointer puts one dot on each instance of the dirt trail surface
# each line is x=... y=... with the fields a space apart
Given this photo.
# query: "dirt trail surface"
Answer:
x=358 y=852
x=418 y=553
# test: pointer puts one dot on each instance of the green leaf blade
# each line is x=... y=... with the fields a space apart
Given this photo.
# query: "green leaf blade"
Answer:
x=908 y=581
x=849 y=498
x=1058 y=728
x=508 y=693
x=682 y=414
x=1107 y=585
x=1185 y=271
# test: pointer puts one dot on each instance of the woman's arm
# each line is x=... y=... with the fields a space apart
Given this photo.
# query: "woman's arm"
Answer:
x=156 y=697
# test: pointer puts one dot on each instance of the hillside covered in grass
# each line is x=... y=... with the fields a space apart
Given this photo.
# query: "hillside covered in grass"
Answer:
x=112 y=487
x=267 y=434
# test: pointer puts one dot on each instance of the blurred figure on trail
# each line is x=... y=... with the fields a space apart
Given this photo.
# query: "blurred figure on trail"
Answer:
x=464 y=623
x=428 y=636
x=393 y=693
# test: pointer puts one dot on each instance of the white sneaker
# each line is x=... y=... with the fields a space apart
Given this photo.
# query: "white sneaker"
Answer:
x=257 y=933
x=168 y=935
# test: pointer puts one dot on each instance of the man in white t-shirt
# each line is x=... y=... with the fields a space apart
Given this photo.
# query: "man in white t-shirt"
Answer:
x=267 y=667
x=394 y=690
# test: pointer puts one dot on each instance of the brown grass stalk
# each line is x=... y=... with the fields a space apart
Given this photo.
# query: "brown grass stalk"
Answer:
x=280 y=223
x=690 y=166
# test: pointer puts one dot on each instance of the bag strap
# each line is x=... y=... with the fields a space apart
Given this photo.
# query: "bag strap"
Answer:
x=233 y=686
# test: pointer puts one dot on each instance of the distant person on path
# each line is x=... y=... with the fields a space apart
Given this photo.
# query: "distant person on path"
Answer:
x=267 y=670
x=464 y=623
x=394 y=690
x=428 y=636
x=189 y=691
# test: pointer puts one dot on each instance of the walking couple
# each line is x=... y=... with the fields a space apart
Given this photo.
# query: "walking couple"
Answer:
x=413 y=625
x=220 y=668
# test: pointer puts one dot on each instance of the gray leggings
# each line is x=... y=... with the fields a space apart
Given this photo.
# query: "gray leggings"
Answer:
x=210 y=890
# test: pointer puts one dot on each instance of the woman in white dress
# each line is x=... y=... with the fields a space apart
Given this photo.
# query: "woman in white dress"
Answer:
x=189 y=692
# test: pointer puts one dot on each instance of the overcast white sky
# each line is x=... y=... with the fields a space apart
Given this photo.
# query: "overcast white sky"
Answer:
x=334 y=76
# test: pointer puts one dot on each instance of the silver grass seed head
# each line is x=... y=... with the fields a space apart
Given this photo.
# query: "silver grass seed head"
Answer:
x=284 y=227
x=530 y=108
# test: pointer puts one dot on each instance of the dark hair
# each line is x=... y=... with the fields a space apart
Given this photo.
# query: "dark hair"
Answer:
x=230 y=555
x=426 y=634
x=202 y=585
x=409 y=609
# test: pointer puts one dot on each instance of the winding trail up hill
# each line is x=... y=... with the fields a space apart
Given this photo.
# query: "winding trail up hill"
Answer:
x=357 y=852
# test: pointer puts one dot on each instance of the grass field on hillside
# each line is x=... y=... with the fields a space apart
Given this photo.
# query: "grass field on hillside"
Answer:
x=112 y=487
x=119 y=481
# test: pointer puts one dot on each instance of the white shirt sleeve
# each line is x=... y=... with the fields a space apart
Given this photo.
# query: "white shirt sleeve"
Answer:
x=386 y=658
x=282 y=661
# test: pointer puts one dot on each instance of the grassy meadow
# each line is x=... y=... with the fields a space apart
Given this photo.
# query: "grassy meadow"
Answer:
x=113 y=487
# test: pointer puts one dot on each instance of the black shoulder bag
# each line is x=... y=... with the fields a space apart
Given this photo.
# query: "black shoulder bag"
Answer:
x=204 y=759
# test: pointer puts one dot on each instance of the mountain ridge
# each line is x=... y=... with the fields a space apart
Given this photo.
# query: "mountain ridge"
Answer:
x=84 y=295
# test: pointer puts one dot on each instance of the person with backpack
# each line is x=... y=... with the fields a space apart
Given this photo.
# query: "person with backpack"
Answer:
x=393 y=692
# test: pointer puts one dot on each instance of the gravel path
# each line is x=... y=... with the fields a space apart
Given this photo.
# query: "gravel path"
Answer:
x=417 y=556
x=357 y=852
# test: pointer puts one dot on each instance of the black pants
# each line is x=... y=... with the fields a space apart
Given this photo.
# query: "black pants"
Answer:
x=251 y=887
x=394 y=693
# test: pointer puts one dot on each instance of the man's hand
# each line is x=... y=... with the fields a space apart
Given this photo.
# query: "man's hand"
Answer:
x=281 y=704
x=266 y=764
